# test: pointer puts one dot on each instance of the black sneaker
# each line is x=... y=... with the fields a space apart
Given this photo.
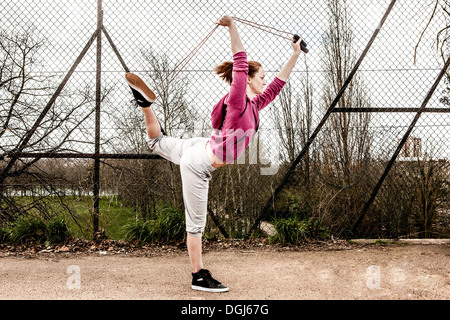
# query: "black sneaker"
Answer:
x=142 y=94
x=203 y=281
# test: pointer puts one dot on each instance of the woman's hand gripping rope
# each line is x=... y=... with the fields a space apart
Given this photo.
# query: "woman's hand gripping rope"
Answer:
x=296 y=44
x=225 y=21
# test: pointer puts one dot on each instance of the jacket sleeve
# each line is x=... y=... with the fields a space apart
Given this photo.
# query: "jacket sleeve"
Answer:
x=269 y=94
x=238 y=91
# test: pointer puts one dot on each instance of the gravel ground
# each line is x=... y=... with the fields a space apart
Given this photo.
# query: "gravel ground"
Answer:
x=253 y=271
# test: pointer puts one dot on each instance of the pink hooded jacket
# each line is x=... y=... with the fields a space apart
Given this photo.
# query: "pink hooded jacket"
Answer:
x=235 y=118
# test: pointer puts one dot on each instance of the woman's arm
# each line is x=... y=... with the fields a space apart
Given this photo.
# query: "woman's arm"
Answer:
x=237 y=96
x=274 y=88
x=289 y=66
x=236 y=44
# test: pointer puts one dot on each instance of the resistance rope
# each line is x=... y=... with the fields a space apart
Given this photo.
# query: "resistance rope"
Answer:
x=165 y=83
x=183 y=63
x=267 y=29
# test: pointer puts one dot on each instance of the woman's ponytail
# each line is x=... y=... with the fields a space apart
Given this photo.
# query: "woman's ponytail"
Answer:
x=225 y=70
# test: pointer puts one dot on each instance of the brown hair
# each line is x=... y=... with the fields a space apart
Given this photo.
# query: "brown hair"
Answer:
x=225 y=70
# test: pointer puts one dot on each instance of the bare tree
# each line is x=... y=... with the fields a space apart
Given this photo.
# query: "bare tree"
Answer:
x=177 y=118
x=19 y=55
x=293 y=116
x=441 y=8
x=347 y=140
x=445 y=47
x=25 y=89
x=172 y=107
x=143 y=182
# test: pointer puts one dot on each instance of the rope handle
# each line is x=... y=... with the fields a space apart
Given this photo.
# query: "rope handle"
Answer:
x=302 y=44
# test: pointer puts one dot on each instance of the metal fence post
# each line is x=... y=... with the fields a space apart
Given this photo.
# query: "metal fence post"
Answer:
x=98 y=84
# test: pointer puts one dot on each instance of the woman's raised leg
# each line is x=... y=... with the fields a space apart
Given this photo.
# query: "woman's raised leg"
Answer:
x=144 y=98
x=151 y=123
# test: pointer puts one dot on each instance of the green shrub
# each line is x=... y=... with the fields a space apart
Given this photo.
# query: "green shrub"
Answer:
x=169 y=225
x=36 y=230
x=138 y=230
x=299 y=205
x=295 y=231
x=4 y=235
x=57 y=232
x=28 y=229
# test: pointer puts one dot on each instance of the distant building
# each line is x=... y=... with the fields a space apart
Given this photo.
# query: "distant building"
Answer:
x=412 y=148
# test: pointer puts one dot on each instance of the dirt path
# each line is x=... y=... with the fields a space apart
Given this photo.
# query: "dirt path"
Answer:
x=354 y=272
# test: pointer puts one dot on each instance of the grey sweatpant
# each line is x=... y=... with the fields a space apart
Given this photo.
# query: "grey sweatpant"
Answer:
x=195 y=169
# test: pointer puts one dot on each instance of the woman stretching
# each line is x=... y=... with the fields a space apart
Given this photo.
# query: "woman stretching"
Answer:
x=234 y=120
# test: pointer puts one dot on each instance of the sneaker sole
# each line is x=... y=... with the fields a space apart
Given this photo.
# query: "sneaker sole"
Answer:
x=137 y=84
x=209 y=289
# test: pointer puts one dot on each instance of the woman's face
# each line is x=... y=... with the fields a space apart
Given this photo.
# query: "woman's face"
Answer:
x=257 y=82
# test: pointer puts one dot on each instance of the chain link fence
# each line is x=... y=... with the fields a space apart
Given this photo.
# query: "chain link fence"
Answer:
x=374 y=163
